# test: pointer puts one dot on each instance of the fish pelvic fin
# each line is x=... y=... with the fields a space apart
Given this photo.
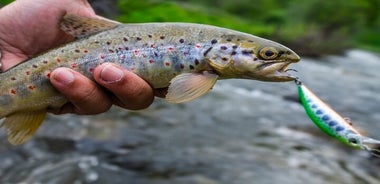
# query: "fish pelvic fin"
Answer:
x=80 y=27
x=189 y=86
x=21 y=126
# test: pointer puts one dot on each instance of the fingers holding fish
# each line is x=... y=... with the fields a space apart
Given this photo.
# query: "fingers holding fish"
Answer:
x=84 y=95
x=129 y=90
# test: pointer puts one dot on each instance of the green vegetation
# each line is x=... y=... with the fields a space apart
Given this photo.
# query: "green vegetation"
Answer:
x=4 y=2
x=311 y=27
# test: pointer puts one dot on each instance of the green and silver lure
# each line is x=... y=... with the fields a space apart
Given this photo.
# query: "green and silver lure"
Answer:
x=332 y=123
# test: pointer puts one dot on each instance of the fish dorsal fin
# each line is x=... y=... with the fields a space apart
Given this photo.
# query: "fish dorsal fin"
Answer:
x=189 y=86
x=80 y=27
x=21 y=126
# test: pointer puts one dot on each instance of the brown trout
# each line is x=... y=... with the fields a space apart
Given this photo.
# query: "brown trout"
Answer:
x=187 y=58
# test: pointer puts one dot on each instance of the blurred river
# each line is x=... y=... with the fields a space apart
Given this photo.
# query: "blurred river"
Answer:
x=242 y=132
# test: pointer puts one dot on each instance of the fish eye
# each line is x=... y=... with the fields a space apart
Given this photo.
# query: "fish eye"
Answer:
x=268 y=53
x=353 y=141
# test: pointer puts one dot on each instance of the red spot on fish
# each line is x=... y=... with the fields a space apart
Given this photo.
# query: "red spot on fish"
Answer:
x=85 y=51
x=27 y=72
x=13 y=78
x=13 y=91
x=74 y=65
x=182 y=66
x=133 y=68
x=102 y=56
x=151 y=61
x=152 y=46
x=197 y=46
x=31 y=87
x=171 y=49
x=58 y=60
x=167 y=63
x=91 y=70
x=48 y=75
x=136 y=52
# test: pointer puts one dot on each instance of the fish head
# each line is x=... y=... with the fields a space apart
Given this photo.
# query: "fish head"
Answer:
x=252 y=57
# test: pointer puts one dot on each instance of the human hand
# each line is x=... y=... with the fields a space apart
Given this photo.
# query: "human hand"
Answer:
x=28 y=28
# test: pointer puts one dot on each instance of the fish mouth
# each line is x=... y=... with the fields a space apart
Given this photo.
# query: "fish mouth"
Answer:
x=276 y=71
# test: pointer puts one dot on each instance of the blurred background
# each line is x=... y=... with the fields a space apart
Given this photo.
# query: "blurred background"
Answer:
x=243 y=131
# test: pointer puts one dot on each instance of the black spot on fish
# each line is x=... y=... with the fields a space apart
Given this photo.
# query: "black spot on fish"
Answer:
x=191 y=67
x=233 y=53
x=207 y=51
x=162 y=37
x=225 y=59
x=247 y=52
x=150 y=36
x=125 y=39
x=138 y=39
x=196 y=62
x=235 y=47
x=228 y=39
x=214 y=41
x=108 y=43
x=181 y=40
x=223 y=47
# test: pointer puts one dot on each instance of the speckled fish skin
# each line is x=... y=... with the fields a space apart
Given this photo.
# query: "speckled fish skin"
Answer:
x=157 y=52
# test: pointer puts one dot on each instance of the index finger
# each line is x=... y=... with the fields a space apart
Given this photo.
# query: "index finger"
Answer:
x=130 y=91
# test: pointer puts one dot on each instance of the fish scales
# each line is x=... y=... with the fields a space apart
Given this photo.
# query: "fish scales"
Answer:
x=188 y=58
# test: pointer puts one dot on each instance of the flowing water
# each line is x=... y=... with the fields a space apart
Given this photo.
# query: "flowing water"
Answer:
x=242 y=132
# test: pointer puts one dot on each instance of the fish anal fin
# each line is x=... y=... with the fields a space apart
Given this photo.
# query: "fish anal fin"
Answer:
x=21 y=126
x=79 y=26
x=189 y=86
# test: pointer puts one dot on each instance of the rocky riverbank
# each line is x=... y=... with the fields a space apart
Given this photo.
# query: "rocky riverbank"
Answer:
x=242 y=132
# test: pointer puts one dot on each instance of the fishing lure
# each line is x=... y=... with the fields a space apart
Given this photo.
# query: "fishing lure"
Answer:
x=332 y=123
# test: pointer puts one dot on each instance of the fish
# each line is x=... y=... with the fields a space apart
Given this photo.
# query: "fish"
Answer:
x=187 y=58
x=332 y=123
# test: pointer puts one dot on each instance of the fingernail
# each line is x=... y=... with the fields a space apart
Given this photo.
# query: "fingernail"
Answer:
x=111 y=74
x=63 y=76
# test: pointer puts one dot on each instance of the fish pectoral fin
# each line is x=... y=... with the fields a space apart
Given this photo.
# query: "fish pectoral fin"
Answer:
x=21 y=126
x=80 y=27
x=189 y=86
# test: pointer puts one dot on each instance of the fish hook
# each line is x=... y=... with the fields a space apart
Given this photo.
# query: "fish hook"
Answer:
x=296 y=79
x=367 y=140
